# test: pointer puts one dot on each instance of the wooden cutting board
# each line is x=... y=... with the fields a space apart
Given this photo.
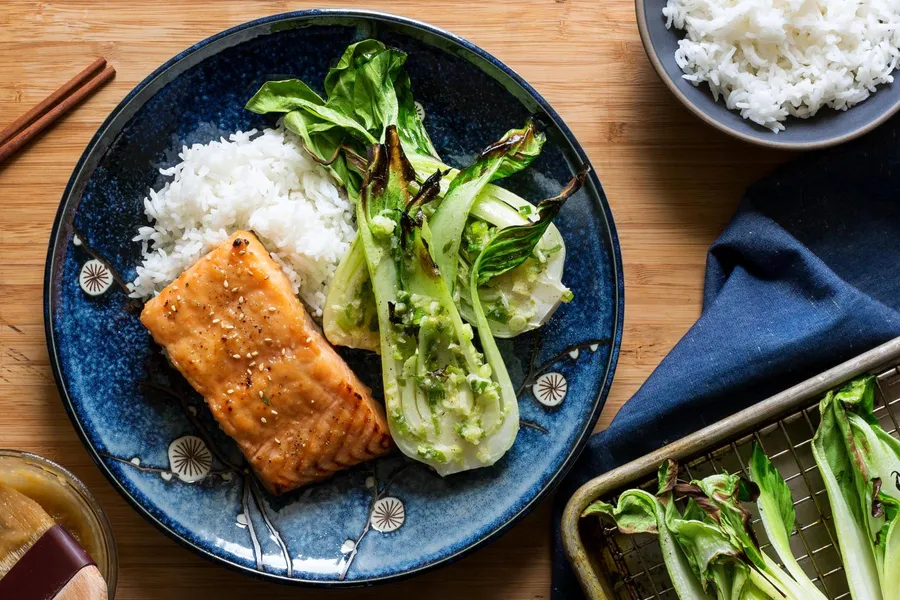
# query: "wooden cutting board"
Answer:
x=672 y=184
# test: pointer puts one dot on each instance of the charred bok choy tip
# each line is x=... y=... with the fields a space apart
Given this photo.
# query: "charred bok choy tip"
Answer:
x=446 y=405
x=860 y=465
x=512 y=153
x=712 y=531
x=510 y=247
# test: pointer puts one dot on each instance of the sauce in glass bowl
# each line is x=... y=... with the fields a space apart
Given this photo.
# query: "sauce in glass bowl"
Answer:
x=68 y=502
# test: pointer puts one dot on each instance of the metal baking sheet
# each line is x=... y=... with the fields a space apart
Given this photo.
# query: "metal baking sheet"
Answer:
x=611 y=566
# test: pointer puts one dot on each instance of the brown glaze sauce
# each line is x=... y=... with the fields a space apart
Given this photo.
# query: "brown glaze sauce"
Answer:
x=60 y=501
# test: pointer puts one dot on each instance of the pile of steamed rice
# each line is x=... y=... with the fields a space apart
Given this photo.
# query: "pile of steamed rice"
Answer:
x=774 y=58
x=262 y=182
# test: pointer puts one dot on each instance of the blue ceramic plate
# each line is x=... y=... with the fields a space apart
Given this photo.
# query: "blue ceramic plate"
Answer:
x=153 y=436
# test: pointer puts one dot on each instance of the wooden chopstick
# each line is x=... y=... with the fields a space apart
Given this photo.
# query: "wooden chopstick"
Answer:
x=51 y=100
x=65 y=98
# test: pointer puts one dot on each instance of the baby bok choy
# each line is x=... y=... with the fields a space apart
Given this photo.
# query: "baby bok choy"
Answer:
x=638 y=511
x=711 y=527
x=504 y=252
x=519 y=299
x=715 y=556
x=526 y=297
x=727 y=493
x=776 y=510
x=507 y=250
x=447 y=406
x=365 y=92
x=860 y=465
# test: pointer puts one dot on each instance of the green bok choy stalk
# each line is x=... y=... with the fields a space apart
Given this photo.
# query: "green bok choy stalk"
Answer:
x=776 y=509
x=503 y=253
x=446 y=405
x=860 y=465
x=638 y=511
x=519 y=299
x=350 y=317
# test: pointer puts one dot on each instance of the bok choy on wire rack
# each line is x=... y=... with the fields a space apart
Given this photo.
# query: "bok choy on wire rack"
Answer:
x=706 y=537
x=438 y=251
x=859 y=463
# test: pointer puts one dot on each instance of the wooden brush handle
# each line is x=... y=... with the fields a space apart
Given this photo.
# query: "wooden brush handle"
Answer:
x=87 y=584
x=55 y=567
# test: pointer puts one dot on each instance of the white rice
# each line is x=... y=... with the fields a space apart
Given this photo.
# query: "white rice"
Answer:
x=774 y=58
x=265 y=183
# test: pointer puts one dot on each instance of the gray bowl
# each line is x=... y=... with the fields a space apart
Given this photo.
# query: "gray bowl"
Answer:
x=828 y=128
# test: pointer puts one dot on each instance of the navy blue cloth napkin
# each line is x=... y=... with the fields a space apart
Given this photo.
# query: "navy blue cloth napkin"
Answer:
x=806 y=276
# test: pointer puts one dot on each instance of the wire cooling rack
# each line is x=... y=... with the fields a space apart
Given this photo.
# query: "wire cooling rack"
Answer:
x=634 y=562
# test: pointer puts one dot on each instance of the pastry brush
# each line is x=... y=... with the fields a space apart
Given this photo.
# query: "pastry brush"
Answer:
x=40 y=560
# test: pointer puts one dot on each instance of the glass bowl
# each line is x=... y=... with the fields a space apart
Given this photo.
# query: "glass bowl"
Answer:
x=19 y=468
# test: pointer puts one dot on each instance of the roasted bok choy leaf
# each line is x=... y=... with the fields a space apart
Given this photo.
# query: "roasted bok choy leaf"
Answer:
x=716 y=558
x=526 y=297
x=448 y=405
x=512 y=246
x=366 y=91
x=860 y=465
x=727 y=493
x=512 y=153
x=505 y=251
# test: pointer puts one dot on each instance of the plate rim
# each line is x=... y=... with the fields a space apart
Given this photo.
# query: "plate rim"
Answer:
x=312 y=15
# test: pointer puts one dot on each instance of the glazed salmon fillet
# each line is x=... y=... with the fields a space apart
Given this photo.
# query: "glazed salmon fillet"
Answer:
x=233 y=327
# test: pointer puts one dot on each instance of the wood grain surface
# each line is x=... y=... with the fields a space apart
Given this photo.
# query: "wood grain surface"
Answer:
x=672 y=183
